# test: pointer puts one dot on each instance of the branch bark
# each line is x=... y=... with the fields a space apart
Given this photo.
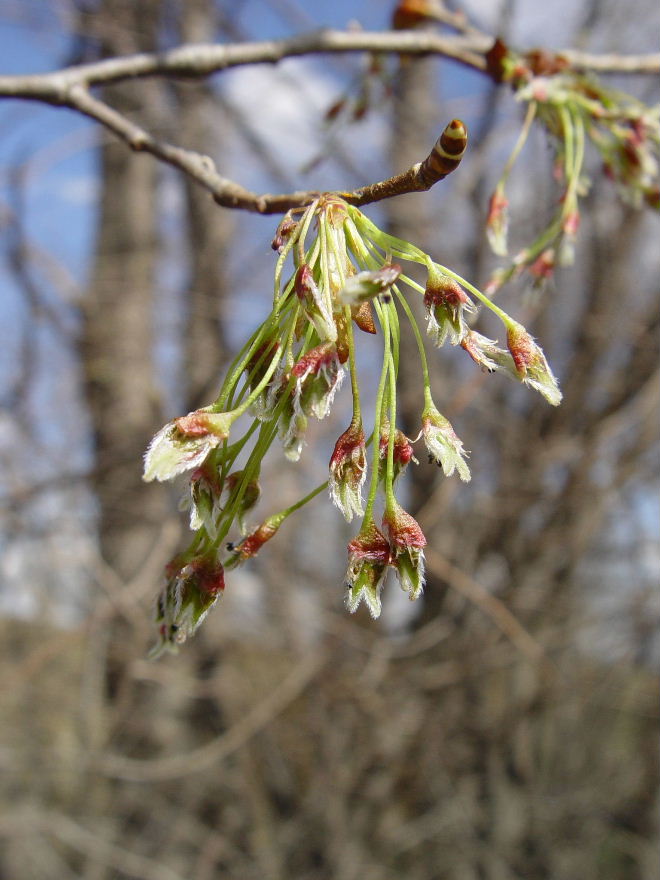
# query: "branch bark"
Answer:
x=71 y=86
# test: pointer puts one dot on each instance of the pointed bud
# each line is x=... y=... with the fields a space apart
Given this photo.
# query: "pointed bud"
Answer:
x=184 y=443
x=364 y=286
x=447 y=305
x=283 y=233
x=407 y=542
x=443 y=446
x=348 y=471
x=368 y=558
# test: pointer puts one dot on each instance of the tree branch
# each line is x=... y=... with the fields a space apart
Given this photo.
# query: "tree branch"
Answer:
x=70 y=87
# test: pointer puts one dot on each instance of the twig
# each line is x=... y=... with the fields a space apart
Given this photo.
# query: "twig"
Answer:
x=204 y=757
x=491 y=606
x=70 y=87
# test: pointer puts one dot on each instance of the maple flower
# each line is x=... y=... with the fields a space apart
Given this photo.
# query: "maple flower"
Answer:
x=368 y=558
x=487 y=353
x=193 y=587
x=497 y=222
x=204 y=499
x=446 y=307
x=443 y=446
x=530 y=363
x=348 y=471
x=185 y=442
x=403 y=451
x=252 y=543
x=316 y=303
x=364 y=286
x=407 y=542
x=319 y=375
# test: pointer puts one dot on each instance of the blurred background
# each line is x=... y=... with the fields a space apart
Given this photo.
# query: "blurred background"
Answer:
x=502 y=727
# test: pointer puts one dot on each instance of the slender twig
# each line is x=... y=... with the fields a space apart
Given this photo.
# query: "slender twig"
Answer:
x=71 y=86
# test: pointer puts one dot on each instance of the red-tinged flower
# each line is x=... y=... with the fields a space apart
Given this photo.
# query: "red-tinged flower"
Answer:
x=204 y=500
x=543 y=266
x=447 y=305
x=192 y=589
x=364 y=286
x=497 y=222
x=407 y=542
x=487 y=353
x=316 y=302
x=348 y=471
x=283 y=233
x=319 y=375
x=403 y=450
x=369 y=555
x=185 y=442
x=252 y=543
x=364 y=318
x=530 y=363
x=443 y=446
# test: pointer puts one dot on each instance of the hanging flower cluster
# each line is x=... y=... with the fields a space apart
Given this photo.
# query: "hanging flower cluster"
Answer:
x=346 y=278
x=574 y=108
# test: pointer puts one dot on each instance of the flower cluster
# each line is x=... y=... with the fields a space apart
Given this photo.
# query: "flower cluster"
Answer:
x=345 y=278
x=574 y=109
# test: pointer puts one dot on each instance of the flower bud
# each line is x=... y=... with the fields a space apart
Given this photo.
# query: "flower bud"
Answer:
x=407 y=542
x=348 y=471
x=319 y=375
x=365 y=286
x=316 y=302
x=252 y=543
x=497 y=222
x=443 y=446
x=403 y=451
x=446 y=307
x=368 y=558
x=184 y=443
x=530 y=363
x=192 y=589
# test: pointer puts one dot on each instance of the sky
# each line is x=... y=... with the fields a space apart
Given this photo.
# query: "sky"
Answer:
x=57 y=151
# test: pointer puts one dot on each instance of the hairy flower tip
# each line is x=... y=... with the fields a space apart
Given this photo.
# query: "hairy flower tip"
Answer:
x=192 y=589
x=364 y=286
x=443 y=446
x=369 y=555
x=531 y=365
x=403 y=450
x=446 y=304
x=316 y=302
x=319 y=375
x=292 y=429
x=348 y=471
x=497 y=222
x=184 y=443
x=249 y=498
x=407 y=542
x=252 y=543
x=487 y=353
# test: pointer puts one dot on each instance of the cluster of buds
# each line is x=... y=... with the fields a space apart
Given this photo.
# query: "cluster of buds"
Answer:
x=574 y=109
x=345 y=277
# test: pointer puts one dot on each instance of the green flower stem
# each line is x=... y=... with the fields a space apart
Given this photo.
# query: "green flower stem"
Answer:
x=418 y=336
x=375 y=437
x=402 y=248
x=281 y=260
x=520 y=142
x=301 y=503
x=355 y=387
x=305 y=222
x=501 y=314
